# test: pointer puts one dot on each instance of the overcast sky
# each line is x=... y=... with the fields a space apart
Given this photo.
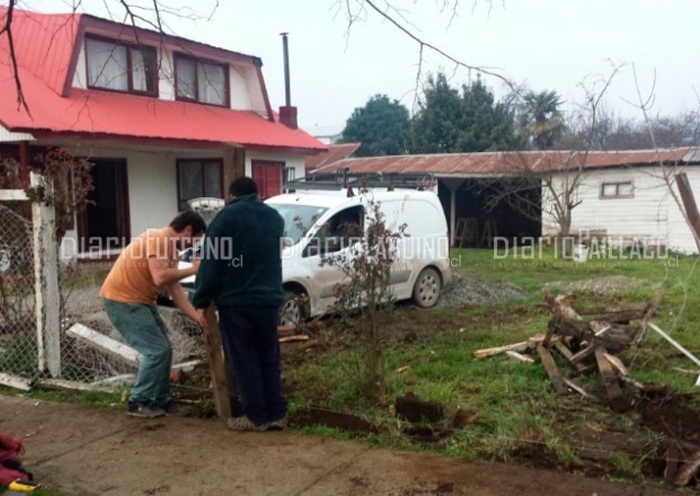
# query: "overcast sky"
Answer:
x=547 y=44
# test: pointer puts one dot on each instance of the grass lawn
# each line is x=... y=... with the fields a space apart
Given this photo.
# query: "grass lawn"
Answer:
x=511 y=409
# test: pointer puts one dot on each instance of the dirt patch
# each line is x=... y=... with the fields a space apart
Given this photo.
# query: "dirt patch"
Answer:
x=309 y=417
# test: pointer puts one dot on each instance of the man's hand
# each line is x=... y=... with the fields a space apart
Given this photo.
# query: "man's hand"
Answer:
x=201 y=317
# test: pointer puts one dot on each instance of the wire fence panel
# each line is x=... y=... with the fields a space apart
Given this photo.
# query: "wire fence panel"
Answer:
x=84 y=360
x=18 y=335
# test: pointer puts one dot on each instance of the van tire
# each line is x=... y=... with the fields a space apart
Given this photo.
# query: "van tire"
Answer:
x=426 y=291
x=293 y=309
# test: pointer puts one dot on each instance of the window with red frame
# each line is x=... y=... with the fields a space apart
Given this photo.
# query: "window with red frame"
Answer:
x=200 y=81
x=121 y=67
x=268 y=177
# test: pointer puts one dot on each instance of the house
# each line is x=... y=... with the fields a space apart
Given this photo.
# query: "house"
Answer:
x=334 y=153
x=164 y=119
x=619 y=194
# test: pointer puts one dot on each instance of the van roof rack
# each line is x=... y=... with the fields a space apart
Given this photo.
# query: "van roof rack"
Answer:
x=343 y=178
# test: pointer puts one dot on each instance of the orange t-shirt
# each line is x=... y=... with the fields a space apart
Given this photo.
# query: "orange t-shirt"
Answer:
x=130 y=279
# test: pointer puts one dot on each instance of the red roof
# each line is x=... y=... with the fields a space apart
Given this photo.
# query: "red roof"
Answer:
x=46 y=45
x=332 y=155
x=479 y=164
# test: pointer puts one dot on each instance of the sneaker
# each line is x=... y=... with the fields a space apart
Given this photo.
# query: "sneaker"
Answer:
x=143 y=410
x=245 y=424
x=174 y=409
x=278 y=425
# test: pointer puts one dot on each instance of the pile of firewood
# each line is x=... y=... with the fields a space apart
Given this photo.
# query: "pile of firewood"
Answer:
x=587 y=345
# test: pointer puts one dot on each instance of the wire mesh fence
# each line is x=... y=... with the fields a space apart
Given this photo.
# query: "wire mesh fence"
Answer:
x=24 y=344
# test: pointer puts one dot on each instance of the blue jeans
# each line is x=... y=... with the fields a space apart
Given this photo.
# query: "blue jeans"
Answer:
x=144 y=330
x=251 y=346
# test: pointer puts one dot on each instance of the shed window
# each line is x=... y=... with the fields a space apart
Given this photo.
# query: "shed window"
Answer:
x=622 y=189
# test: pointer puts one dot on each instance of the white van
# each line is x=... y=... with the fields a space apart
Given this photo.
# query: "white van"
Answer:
x=420 y=272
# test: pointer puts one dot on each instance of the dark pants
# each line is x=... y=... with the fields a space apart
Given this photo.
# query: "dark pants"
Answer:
x=145 y=331
x=251 y=345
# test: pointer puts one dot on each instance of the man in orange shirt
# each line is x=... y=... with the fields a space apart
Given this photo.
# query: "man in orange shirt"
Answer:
x=146 y=266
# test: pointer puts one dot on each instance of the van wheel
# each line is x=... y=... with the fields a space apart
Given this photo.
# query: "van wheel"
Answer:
x=426 y=292
x=293 y=309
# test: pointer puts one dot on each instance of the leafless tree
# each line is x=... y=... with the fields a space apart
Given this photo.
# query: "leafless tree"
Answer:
x=558 y=173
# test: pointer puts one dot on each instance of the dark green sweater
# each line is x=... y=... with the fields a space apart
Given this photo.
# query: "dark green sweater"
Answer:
x=241 y=264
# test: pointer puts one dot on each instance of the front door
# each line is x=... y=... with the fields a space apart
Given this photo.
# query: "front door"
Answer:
x=104 y=224
x=268 y=176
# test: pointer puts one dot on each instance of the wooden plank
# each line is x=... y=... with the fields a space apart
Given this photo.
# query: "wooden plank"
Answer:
x=15 y=382
x=488 y=352
x=63 y=385
x=286 y=330
x=13 y=195
x=617 y=364
x=217 y=366
x=291 y=339
x=583 y=354
x=674 y=343
x=519 y=356
x=579 y=390
x=615 y=399
x=99 y=341
x=648 y=315
x=552 y=370
x=187 y=366
x=691 y=208
x=566 y=353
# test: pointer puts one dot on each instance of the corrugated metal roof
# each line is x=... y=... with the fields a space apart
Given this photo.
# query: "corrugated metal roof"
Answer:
x=488 y=163
x=44 y=70
x=43 y=44
x=334 y=153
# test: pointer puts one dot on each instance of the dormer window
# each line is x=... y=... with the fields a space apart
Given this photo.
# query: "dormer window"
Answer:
x=120 y=67
x=199 y=81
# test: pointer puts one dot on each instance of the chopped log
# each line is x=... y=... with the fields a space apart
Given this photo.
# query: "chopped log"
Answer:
x=16 y=382
x=104 y=343
x=520 y=357
x=570 y=327
x=673 y=455
x=488 y=352
x=552 y=370
x=617 y=315
x=616 y=364
x=292 y=339
x=688 y=470
x=615 y=399
x=561 y=306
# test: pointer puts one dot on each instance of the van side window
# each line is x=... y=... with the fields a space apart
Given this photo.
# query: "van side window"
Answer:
x=342 y=230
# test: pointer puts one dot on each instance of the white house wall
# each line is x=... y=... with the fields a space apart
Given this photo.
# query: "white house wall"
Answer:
x=651 y=213
x=8 y=136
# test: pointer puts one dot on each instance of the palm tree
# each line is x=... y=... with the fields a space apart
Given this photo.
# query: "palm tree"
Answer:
x=541 y=119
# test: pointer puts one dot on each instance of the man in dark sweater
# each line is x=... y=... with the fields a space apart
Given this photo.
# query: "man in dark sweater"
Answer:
x=241 y=271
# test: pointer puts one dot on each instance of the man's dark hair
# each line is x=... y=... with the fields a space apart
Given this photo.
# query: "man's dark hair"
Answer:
x=189 y=218
x=242 y=186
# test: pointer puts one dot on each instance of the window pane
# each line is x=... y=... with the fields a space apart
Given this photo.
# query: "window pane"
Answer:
x=212 y=179
x=107 y=67
x=190 y=180
x=212 y=83
x=625 y=189
x=185 y=77
x=609 y=189
x=143 y=68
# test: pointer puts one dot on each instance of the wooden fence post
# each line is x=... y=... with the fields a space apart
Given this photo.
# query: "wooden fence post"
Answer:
x=217 y=365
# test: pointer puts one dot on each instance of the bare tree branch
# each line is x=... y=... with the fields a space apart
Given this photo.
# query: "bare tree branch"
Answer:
x=7 y=30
